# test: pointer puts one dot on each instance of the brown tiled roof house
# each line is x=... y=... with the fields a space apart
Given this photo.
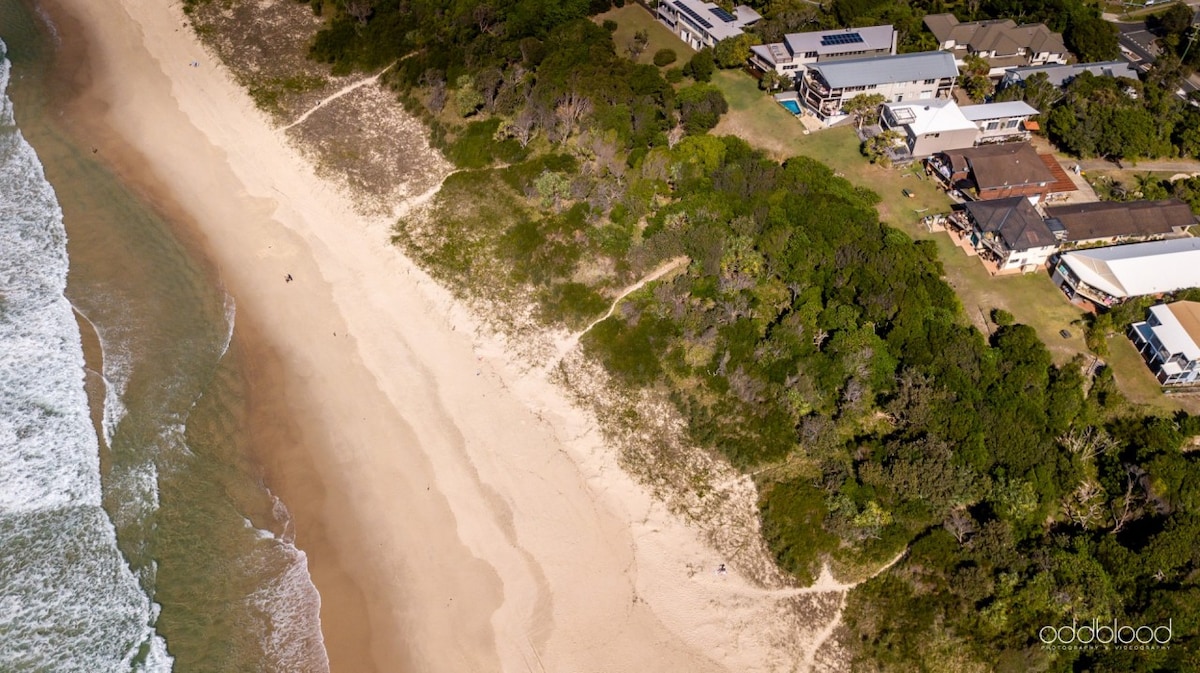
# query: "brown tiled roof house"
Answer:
x=1002 y=42
x=997 y=171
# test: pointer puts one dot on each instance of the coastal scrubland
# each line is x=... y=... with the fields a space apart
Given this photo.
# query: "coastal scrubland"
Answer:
x=804 y=342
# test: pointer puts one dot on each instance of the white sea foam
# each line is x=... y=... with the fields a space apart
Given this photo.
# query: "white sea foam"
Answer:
x=115 y=376
x=290 y=606
x=230 y=317
x=70 y=602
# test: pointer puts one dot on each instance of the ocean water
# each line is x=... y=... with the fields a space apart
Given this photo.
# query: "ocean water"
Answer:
x=136 y=533
x=68 y=592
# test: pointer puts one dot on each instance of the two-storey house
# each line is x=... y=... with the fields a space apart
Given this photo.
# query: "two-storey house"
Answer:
x=704 y=24
x=825 y=87
x=1169 y=341
x=799 y=50
x=1000 y=42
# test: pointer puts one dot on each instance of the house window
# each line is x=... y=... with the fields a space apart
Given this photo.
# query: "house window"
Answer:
x=992 y=126
x=790 y=67
x=931 y=81
x=810 y=54
x=1012 y=123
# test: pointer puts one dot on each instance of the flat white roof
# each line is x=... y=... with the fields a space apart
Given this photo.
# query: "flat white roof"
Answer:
x=1172 y=334
x=937 y=115
x=1139 y=268
x=1016 y=108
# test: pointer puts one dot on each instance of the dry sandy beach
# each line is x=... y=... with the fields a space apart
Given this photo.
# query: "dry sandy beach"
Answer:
x=457 y=515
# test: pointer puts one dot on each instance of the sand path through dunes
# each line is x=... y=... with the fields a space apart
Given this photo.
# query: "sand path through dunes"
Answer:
x=349 y=88
x=457 y=515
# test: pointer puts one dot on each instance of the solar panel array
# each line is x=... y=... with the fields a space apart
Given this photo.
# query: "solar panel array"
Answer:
x=723 y=14
x=841 y=38
x=693 y=14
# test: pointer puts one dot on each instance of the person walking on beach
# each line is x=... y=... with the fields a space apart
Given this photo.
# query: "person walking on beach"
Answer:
x=287 y=278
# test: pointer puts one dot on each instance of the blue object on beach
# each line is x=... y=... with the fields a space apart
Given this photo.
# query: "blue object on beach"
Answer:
x=791 y=105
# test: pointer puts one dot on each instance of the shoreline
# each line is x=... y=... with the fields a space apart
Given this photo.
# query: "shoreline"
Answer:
x=273 y=432
x=456 y=515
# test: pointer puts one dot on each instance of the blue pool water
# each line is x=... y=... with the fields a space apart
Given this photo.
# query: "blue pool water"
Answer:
x=791 y=105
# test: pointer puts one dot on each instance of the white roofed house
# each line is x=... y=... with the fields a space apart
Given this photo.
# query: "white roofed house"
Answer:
x=940 y=125
x=1106 y=276
x=825 y=87
x=798 y=50
x=1169 y=341
x=929 y=126
x=704 y=24
x=1000 y=122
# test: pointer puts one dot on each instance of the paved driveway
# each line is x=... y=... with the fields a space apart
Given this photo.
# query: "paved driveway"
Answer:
x=1138 y=40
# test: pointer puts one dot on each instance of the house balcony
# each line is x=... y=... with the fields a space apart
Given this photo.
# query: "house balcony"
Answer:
x=1082 y=289
x=813 y=83
x=830 y=108
x=994 y=245
x=939 y=168
x=960 y=222
x=1015 y=137
x=1142 y=335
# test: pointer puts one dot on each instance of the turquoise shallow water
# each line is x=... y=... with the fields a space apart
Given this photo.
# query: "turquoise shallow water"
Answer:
x=140 y=535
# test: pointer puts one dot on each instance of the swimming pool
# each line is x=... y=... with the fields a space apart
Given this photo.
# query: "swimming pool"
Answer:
x=792 y=106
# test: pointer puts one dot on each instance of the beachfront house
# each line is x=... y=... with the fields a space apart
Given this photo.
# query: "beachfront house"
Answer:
x=940 y=125
x=1008 y=233
x=1061 y=75
x=825 y=87
x=999 y=171
x=799 y=50
x=1105 y=276
x=929 y=126
x=1169 y=341
x=1000 y=122
x=1109 y=222
x=1001 y=42
x=704 y=24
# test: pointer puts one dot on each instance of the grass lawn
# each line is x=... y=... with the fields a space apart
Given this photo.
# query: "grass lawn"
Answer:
x=632 y=18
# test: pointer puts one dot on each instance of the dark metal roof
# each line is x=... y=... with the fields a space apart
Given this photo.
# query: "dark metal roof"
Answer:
x=1014 y=219
x=1114 y=219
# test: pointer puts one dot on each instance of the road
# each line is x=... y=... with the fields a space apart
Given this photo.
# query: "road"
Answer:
x=1135 y=38
x=1139 y=46
x=1157 y=165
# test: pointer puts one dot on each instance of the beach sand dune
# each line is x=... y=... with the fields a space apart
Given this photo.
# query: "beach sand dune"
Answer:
x=458 y=515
